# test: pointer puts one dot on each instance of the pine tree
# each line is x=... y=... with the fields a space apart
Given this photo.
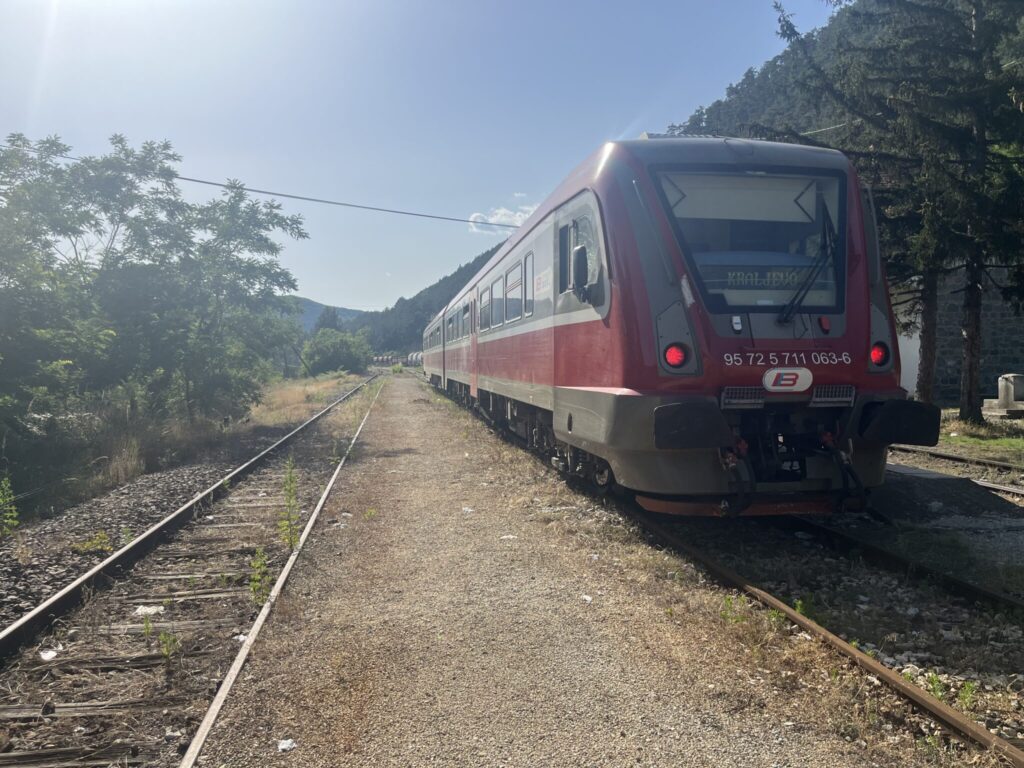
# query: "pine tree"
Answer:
x=929 y=82
x=328 y=318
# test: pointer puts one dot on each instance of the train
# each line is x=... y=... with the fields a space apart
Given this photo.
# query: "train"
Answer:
x=703 y=322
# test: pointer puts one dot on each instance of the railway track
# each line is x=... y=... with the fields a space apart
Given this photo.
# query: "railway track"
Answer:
x=1001 y=466
x=121 y=666
x=681 y=539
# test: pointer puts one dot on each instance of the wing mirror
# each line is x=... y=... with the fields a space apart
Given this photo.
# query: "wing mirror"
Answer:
x=580 y=272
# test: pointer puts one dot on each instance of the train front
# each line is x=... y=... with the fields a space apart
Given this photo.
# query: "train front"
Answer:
x=776 y=335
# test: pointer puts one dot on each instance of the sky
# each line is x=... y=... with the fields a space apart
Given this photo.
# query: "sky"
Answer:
x=451 y=107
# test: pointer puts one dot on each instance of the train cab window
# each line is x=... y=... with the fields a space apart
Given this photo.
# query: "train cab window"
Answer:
x=497 y=303
x=465 y=320
x=528 y=285
x=514 y=293
x=564 y=265
x=485 y=308
x=754 y=241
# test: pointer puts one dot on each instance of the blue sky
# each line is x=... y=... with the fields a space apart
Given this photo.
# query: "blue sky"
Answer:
x=452 y=107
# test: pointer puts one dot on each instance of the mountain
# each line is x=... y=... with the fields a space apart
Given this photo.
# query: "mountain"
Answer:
x=399 y=329
x=311 y=311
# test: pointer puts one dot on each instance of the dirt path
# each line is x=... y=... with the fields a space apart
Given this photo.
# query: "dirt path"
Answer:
x=447 y=614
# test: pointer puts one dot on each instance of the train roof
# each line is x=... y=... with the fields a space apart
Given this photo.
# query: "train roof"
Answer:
x=658 y=149
x=726 y=150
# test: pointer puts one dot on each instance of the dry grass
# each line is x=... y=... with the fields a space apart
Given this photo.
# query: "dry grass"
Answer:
x=125 y=462
x=291 y=401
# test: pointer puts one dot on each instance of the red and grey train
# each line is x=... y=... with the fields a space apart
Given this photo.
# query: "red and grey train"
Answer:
x=702 y=321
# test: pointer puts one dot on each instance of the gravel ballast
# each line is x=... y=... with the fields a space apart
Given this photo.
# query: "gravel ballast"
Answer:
x=458 y=605
x=46 y=555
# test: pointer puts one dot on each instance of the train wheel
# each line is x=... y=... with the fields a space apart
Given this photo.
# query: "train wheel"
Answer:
x=602 y=479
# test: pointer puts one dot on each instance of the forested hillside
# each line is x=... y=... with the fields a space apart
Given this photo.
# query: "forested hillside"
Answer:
x=399 y=328
x=927 y=99
x=310 y=311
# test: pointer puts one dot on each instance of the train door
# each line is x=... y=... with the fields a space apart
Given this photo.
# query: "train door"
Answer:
x=472 y=347
x=444 y=351
x=583 y=357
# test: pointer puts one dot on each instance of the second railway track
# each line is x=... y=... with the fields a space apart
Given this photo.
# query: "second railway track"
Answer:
x=1001 y=468
x=126 y=678
x=908 y=631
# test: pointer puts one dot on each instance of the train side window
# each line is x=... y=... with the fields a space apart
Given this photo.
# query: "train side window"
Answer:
x=583 y=234
x=465 y=319
x=497 y=303
x=528 y=285
x=485 y=309
x=564 y=271
x=514 y=293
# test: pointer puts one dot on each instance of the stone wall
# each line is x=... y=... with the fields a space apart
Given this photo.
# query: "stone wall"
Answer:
x=1002 y=346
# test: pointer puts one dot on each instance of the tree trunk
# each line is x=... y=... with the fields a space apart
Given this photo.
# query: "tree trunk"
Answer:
x=929 y=335
x=970 y=373
x=189 y=405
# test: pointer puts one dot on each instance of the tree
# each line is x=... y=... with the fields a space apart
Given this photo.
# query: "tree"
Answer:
x=930 y=81
x=331 y=350
x=113 y=286
x=328 y=319
x=925 y=97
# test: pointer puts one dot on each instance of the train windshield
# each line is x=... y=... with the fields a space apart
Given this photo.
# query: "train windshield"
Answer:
x=755 y=239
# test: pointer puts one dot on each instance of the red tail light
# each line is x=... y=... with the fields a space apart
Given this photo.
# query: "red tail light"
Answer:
x=675 y=355
x=879 y=354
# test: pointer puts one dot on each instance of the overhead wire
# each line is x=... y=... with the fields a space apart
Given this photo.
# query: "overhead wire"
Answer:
x=291 y=196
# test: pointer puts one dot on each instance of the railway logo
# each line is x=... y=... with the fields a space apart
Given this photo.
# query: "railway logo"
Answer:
x=787 y=380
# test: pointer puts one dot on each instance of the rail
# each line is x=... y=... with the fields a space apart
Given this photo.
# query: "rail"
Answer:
x=942 y=712
x=40 y=618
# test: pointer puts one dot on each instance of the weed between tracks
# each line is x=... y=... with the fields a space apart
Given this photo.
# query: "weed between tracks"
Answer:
x=288 y=517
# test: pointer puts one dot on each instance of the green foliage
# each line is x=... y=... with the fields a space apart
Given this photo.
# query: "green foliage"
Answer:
x=397 y=368
x=329 y=318
x=121 y=301
x=733 y=609
x=935 y=685
x=147 y=627
x=170 y=645
x=776 y=619
x=926 y=99
x=966 y=697
x=331 y=350
x=259 y=577
x=8 y=511
x=288 y=517
x=401 y=327
x=803 y=606
x=97 y=543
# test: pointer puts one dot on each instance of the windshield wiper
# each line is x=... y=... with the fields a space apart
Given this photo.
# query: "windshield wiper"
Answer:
x=826 y=253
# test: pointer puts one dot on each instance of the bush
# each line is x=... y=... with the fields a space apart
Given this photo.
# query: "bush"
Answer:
x=331 y=350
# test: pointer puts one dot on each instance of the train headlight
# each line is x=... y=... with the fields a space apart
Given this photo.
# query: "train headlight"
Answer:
x=879 y=354
x=675 y=355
